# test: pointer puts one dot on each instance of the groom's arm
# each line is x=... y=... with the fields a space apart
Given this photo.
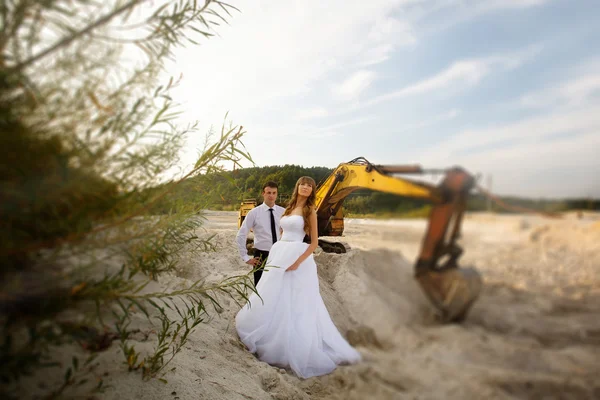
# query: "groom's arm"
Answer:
x=243 y=234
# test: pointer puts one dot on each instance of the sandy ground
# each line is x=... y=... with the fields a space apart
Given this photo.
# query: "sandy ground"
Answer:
x=534 y=333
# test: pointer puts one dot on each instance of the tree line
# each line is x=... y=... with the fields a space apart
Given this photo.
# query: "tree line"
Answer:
x=225 y=190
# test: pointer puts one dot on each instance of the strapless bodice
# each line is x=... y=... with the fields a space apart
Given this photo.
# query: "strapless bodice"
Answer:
x=293 y=228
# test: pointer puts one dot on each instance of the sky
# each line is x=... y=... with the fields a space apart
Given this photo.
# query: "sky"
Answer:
x=507 y=89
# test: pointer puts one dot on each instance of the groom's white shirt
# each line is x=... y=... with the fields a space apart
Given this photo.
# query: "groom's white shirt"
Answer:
x=259 y=220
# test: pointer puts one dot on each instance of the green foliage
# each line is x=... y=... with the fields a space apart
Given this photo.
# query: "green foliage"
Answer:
x=225 y=190
x=89 y=141
x=479 y=202
x=364 y=202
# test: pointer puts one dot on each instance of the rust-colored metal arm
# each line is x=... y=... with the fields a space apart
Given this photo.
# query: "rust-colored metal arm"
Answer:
x=445 y=221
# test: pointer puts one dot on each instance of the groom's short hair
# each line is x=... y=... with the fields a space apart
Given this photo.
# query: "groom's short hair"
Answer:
x=270 y=184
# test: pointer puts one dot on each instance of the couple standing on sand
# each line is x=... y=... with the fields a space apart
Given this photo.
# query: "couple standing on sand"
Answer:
x=288 y=325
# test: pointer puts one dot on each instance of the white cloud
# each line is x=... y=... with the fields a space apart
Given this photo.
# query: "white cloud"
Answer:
x=311 y=113
x=343 y=124
x=278 y=50
x=534 y=168
x=578 y=150
x=467 y=72
x=499 y=4
x=573 y=93
x=430 y=121
x=275 y=50
x=459 y=11
x=461 y=73
x=522 y=149
x=529 y=130
x=380 y=34
x=324 y=131
x=277 y=53
x=352 y=87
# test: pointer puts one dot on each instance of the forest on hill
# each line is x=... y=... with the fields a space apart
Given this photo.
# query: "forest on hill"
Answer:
x=225 y=191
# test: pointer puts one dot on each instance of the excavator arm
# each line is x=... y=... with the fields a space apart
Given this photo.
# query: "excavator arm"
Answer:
x=451 y=290
x=355 y=175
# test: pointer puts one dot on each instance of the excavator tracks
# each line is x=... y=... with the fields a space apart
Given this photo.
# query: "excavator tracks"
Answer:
x=334 y=247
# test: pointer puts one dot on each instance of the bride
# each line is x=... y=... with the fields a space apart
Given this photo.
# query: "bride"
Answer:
x=288 y=325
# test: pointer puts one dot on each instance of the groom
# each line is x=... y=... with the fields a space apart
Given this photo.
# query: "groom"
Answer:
x=264 y=221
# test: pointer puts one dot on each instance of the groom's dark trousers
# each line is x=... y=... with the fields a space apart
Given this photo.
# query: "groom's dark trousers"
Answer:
x=262 y=256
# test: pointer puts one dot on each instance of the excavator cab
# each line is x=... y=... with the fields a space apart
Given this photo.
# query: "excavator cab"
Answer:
x=245 y=207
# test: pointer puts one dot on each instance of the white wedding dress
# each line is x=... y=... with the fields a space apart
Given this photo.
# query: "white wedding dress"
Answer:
x=290 y=326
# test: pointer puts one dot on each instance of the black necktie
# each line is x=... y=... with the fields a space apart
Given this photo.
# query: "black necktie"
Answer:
x=273 y=231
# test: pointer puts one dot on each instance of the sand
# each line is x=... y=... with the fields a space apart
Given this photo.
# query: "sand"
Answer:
x=534 y=333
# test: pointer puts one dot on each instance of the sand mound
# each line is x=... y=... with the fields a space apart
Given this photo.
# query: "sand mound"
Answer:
x=375 y=289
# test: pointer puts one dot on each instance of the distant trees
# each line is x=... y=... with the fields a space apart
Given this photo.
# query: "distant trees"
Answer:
x=224 y=191
x=228 y=188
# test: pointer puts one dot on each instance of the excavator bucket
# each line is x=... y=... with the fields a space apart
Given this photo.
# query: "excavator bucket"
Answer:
x=451 y=291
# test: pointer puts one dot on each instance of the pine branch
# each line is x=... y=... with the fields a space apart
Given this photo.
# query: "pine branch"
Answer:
x=75 y=226
x=68 y=40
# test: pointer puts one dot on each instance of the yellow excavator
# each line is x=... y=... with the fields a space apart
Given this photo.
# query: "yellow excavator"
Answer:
x=451 y=290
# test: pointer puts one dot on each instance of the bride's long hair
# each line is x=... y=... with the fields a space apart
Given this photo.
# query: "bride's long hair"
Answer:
x=310 y=201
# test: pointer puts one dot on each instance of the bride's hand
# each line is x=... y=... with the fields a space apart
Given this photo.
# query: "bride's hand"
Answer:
x=293 y=267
